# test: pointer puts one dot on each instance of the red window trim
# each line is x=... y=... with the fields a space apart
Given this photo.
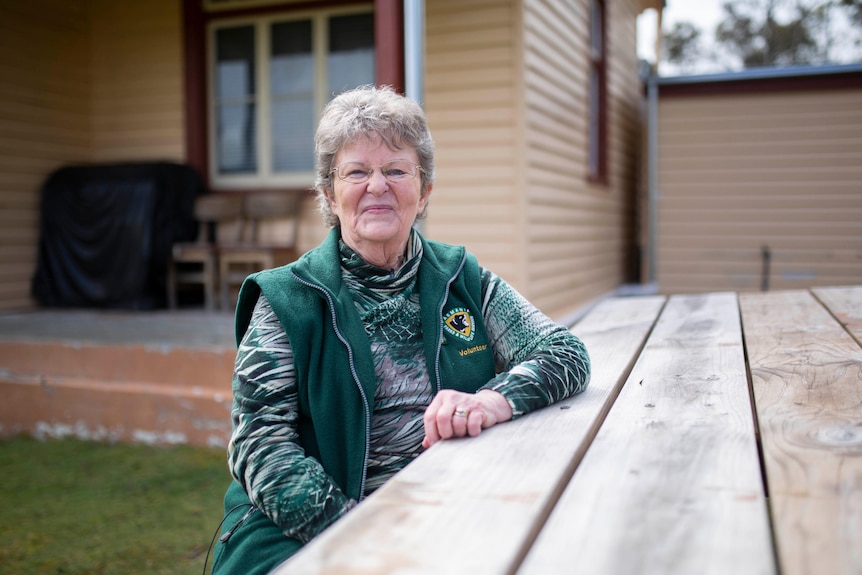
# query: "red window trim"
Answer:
x=600 y=176
x=728 y=84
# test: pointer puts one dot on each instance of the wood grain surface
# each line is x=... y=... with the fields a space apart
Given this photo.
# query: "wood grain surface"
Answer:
x=671 y=483
x=806 y=374
x=474 y=505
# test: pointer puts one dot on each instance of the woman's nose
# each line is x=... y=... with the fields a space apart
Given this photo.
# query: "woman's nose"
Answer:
x=377 y=182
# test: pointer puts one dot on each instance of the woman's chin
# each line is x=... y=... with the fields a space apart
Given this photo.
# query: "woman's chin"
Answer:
x=381 y=232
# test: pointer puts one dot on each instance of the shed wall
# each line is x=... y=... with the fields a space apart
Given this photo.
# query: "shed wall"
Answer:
x=742 y=172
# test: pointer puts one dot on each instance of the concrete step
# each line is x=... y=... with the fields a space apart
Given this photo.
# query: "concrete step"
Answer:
x=131 y=383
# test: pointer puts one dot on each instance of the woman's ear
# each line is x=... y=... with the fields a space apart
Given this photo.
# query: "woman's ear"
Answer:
x=330 y=198
x=423 y=199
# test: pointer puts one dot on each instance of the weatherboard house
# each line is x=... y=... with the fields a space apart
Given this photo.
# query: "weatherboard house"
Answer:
x=563 y=166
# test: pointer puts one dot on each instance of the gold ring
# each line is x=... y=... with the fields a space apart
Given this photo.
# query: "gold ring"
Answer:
x=462 y=411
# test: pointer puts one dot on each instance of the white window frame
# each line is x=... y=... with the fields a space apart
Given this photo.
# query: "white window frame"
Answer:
x=265 y=176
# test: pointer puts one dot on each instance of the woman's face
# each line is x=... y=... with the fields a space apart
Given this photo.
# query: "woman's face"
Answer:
x=376 y=216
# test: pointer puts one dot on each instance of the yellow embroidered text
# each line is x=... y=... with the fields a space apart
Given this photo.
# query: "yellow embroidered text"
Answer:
x=473 y=349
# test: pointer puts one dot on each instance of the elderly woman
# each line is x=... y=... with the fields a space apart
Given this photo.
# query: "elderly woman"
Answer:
x=372 y=346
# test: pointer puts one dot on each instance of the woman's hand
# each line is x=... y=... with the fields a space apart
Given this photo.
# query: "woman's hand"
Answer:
x=457 y=414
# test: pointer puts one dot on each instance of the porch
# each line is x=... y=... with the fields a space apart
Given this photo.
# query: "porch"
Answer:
x=154 y=377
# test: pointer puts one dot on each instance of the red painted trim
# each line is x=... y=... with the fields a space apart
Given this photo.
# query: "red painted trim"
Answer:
x=601 y=175
x=271 y=8
x=262 y=190
x=389 y=43
x=838 y=81
x=194 y=87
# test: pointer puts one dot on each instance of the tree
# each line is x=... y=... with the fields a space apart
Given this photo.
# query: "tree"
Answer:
x=757 y=33
x=854 y=10
x=682 y=46
x=751 y=30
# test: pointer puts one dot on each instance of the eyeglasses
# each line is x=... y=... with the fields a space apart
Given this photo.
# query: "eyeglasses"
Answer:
x=396 y=171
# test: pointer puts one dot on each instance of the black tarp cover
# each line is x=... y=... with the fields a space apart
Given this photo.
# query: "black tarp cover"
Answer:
x=106 y=233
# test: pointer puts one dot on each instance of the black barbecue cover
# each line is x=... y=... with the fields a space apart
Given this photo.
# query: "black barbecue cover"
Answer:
x=106 y=233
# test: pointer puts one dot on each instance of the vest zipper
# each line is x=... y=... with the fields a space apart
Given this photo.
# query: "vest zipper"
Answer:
x=365 y=404
x=438 y=383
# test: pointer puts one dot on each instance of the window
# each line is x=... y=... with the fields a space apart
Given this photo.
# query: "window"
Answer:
x=598 y=93
x=271 y=78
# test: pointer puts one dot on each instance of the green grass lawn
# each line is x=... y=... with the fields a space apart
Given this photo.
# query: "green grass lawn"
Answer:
x=75 y=507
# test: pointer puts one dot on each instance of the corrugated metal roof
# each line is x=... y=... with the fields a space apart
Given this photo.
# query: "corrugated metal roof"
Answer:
x=762 y=74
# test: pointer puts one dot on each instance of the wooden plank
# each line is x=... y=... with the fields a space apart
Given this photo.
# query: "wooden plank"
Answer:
x=472 y=505
x=845 y=304
x=671 y=484
x=806 y=372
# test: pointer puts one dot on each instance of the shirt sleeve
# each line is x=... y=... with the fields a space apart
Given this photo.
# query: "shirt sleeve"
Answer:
x=264 y=454
x=538 y=361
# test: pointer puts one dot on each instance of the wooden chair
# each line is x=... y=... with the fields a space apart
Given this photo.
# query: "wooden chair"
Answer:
x=250 y=254
x=196 y=263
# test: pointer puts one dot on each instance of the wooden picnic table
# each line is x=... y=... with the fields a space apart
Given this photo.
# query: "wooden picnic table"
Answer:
x=721 y=433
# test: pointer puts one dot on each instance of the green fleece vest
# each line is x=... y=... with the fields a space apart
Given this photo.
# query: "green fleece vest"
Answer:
x=332 y=354
x=335 y=372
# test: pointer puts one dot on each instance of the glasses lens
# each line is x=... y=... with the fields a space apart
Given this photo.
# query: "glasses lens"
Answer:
x=353 y=172
x=398 y=171
x=358 y=172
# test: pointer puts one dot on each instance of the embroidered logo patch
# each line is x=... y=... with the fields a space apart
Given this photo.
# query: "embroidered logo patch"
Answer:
x=459 y=322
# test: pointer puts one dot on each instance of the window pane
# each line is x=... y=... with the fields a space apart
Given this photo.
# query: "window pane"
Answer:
x=291 y=71
x=237 y=150
x=235 y=100
x=351 y=52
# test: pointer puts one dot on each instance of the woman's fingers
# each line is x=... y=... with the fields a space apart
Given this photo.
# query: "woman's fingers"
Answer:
x=457 y=414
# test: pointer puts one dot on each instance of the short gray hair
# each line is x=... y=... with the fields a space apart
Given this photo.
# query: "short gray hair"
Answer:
x=369 y=112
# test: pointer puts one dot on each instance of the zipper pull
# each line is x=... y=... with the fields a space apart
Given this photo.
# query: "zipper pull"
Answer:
x=239 y=523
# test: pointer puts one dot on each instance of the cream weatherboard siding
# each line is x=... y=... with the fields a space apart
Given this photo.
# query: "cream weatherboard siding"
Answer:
x=507 y=100
x=44 y=123
x=505 y=92
x=740 y=172
x=137 y=81
x=84 y=81
x=471 y=91
x=579 y=234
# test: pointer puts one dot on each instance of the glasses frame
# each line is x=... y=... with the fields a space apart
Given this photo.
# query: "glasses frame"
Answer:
x=373 y=169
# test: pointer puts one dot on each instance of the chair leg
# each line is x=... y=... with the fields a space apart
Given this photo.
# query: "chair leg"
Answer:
x=210 y=281
x=172 y=285
x=224 y=284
